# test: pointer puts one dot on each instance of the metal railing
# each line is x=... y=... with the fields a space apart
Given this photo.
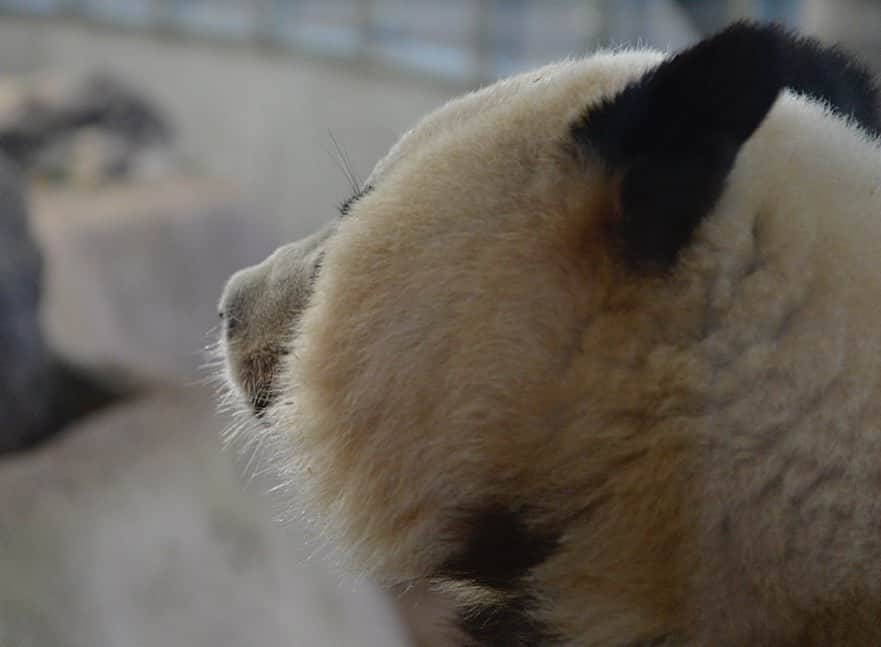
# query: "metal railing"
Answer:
x=472 y=40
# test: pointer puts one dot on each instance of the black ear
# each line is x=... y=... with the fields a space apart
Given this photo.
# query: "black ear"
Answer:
x=831 y=75
x=671 y=138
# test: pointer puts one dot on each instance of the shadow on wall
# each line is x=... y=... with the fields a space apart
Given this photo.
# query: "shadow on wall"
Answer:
x=42 y=392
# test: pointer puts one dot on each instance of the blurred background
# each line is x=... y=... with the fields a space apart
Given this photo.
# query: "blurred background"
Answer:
x=148 y=149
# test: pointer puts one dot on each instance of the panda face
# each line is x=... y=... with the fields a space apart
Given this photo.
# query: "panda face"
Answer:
x=262 y=306
x=493 y=371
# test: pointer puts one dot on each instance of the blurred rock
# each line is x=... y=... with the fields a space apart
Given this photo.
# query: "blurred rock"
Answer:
x=134 y=530
x=134 y=270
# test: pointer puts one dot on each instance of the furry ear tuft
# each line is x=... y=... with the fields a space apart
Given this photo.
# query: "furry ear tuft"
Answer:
x=672 y=136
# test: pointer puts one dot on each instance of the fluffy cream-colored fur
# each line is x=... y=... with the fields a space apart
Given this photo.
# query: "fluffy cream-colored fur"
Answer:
x=709 y=439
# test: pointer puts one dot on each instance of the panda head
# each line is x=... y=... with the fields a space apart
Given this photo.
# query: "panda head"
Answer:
x=482 y=374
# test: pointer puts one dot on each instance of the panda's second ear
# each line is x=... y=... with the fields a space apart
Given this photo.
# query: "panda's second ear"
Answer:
x=670 y=139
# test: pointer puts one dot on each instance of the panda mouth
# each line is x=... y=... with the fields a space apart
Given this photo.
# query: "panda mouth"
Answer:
x=260 y=402
x=255 y=376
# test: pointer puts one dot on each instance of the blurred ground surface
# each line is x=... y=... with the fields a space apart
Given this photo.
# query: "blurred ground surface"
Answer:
x=134 y=530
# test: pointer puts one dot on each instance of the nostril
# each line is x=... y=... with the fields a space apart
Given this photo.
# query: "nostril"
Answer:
x=231 y=324
x=229 y=321
x=233 y=305
x=243 y=292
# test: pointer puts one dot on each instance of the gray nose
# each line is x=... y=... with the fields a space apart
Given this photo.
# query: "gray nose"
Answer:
x=260 y=303
x=240 y=297
x=259 y=307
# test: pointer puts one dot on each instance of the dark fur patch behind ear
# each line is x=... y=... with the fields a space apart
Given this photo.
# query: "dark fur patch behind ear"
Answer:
x=498 y=550
x=673 y=136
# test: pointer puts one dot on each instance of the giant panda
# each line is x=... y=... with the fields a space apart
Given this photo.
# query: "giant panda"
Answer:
x=597 y=351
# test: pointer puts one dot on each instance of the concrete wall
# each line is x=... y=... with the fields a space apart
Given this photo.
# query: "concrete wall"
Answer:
x=256 y=117
x=856 y=24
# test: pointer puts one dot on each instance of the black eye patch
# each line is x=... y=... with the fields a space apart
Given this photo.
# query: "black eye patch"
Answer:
x=347 y=205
